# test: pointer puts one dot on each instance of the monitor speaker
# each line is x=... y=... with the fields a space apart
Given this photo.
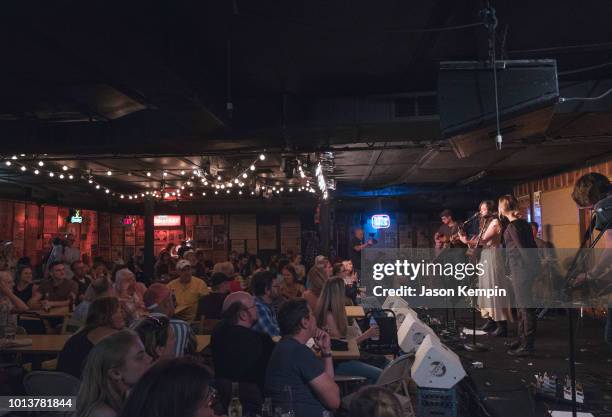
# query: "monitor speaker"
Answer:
x=436 y=366
x=412 y=332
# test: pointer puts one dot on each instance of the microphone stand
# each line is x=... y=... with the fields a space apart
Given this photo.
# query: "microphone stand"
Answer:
x=475 y=346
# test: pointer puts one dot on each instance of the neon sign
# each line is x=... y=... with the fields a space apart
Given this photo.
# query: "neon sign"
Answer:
x=76 y=217
x=381 y=221
x=167 y=220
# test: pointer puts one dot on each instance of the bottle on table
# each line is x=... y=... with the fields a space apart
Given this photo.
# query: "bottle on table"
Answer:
x=235 y=408
x=374 y=324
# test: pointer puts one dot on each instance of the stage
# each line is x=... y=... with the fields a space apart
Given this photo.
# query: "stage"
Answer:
x=502 y=382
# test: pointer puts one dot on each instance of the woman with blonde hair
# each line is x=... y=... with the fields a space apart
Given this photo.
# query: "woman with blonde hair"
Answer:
x=375 y=402
x=113 y=367
x=496 y=310
x=331 y=315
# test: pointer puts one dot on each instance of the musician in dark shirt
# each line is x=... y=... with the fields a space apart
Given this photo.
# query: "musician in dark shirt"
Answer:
x=595 y=191
x=524 y=269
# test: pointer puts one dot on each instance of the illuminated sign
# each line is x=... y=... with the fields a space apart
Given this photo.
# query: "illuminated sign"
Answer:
x=381 y=221
x=76 y=217
x=167 y=220
x=127 y=221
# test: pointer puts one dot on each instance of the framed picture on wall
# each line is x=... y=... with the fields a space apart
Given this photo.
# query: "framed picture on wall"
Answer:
x=219 y=238
x=161 y=237
x=204 y=237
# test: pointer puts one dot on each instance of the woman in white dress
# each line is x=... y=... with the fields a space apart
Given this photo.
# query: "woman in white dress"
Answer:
x=496 y=310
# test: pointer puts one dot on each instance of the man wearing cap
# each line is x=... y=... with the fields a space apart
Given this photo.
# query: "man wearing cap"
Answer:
x=159 y=302
x=187 y=289
x=240 y=354
x=211 y=305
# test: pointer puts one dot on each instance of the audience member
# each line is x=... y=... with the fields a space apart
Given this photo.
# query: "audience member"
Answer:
x=331 y=314
x=164 y=269
x=8 y=260
x=98 y=288
x=99 y=270
x=8 y=300
x=211 y=305
x=265 y=289
x=105 y=317
x=172 y=388
x=300 y=269
x=290 y=287
x=55 y=291
x=113 y=367
x=294 y=364
x=250 y=351
x=128 y=290
x=375 y=402
x=24 y=284
x=187 y=290
x=159 y=301
x=315 y=281
x=79 y=275
x=157 y=336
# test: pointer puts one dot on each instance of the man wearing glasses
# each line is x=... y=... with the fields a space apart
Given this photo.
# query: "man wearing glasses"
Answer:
x=240 y=354
x=187 y=289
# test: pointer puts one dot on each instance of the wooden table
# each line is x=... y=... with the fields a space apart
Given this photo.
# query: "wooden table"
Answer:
x=42 y=344
x=354 y=312
x=350 y=354
x=54 y=312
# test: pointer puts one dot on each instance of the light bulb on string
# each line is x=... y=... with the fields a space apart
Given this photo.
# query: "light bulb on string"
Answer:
x=165 y=174
x=90 y=181
x=97 y=186
x=36 y=172
x=41 y=163
x=216 y=192
x=240 y=192
x=236 y=181
x=262 y=157
x=64 y=168
x=107 y=191
x=121 y=196
x=228 y=191
x=219 y=178
x=109 y=173
x=8 y=163
x=203 y=193
x=182 y=172
x=51 y=174
x=61 y=176
x=252 y=192
x=23 y=168
x=71 y=176
x=252 y=167
x=148 y=174
x=14 y=157
x=244 y=175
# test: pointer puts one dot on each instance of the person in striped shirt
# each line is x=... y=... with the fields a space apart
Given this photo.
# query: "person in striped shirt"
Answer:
x=159 y=300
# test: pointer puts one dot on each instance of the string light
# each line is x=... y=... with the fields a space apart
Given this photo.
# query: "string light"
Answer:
x=41 y=163
x=252 y=167
x=71 y=176
x=61 y=176
x=182 y=172
x=51 y=174
x=262 y=157
x=244 y=175
x=23 y=168
x=109 y=173
x=65 y=168
x=219 y=178
x=97 y=186
x=107 y=191
x=14 y=157
x=8 y=163
x=36 y=172
x=148 y=174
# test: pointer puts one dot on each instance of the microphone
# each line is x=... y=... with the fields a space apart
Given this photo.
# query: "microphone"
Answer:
x=474 y=217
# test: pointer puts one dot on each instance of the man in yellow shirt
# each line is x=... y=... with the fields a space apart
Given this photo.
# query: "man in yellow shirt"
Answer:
x=187 y=289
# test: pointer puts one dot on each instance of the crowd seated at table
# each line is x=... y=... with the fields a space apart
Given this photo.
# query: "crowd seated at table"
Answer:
x=127 y=326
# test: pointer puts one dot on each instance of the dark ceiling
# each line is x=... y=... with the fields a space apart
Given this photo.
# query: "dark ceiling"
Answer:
x=142 y=86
